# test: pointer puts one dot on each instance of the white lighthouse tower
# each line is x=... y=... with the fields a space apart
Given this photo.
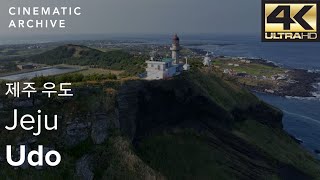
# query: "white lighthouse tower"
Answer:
x=175 y=48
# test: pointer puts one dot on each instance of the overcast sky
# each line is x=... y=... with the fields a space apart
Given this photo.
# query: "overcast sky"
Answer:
x=146 y=16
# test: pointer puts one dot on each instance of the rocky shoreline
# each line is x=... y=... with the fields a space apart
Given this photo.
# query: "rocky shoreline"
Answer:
x=303 y=86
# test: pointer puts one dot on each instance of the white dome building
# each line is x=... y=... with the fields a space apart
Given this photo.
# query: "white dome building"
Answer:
x=207 y=60
x=186 y=66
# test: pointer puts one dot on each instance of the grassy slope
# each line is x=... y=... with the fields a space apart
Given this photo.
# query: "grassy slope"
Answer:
x=117 y=160
x=278 y=145
x=227 y=95
x=254 y=69
x=185 y=154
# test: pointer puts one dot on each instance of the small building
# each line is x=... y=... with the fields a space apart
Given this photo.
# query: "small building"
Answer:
x=226 y=71
x=269 y=91
x=186 y=66
x=207 y=60
x=162 y=69
x=25 y=66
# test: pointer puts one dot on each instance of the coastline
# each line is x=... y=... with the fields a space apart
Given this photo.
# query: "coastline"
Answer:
x=300 y=120
x=302 y=83
x=304 y=86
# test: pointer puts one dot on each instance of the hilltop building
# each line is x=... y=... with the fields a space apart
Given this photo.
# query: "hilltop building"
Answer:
x=163 y=69
x=186 y=66
x=158 y=68
x=25 y=66
x=207 y=60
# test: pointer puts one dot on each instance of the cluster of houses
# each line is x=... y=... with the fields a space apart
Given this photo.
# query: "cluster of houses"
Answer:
x=276 y=77
x=241 y=61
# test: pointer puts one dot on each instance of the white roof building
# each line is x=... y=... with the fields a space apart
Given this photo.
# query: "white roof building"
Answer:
x=207 y=60
x=186 y=66
x=162 y=69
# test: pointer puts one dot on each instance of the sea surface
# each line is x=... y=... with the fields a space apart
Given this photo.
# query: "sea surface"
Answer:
x=301 y=115
x=301 y=118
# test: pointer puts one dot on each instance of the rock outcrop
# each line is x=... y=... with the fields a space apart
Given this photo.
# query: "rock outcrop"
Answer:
x=84 y=168
x=76 y=133
x=99 y=129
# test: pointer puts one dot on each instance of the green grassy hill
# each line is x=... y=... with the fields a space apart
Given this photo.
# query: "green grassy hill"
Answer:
x=84 y=56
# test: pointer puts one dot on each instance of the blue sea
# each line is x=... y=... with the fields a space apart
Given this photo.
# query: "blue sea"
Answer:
x=296 y=55
x=301 y=115
x=301 y=118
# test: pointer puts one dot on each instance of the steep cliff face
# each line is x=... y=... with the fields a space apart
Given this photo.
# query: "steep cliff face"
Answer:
x=155 y=106
x=148 y=106
x=197 y=126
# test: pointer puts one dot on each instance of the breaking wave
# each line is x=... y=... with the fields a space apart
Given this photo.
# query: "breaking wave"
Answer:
x=303 y=117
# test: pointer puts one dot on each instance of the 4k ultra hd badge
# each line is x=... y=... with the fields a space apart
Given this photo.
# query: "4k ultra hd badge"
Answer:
x=290 y=20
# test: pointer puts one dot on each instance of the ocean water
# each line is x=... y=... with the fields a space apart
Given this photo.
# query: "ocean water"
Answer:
x=295 y=55
x=301 y=118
